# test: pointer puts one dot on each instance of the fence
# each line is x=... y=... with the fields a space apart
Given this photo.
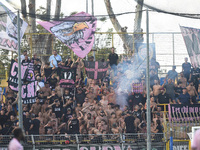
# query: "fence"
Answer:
x=91 y=141
x=170 y=46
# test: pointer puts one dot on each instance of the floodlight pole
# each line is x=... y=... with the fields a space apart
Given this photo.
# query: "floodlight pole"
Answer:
x=19 y=74
x=87 y=12
x=148 y=86
x=94 y=34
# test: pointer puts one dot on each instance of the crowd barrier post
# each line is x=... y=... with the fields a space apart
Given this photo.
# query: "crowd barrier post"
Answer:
x=31 y=45
x=33 y=142
x=171 y=139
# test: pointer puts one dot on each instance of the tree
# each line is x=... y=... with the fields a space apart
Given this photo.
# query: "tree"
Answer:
x=41 y=43
x=127 y=39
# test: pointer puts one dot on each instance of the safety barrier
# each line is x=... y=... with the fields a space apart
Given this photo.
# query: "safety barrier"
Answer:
x=89 y=141
x=179 y=145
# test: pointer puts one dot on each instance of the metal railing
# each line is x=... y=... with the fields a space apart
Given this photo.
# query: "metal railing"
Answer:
x=78 y=141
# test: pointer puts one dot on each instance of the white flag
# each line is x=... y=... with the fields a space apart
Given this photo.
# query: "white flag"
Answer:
x=8 y=28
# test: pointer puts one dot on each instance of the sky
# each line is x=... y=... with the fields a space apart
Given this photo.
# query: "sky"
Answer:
x=158 y=22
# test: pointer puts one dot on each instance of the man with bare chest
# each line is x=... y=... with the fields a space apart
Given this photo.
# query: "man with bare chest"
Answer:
x=101 y=116
x=192 y=92
x=111 y=96
x=90 y=95
x=112 y=120
x=109 y=110
x=46 y=91
x=95 y=87
x=118 y=111
x=36 y=108
x=183 y=80
x=156 y=89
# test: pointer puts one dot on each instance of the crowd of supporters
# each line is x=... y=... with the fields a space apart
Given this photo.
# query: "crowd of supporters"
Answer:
x=95 y=106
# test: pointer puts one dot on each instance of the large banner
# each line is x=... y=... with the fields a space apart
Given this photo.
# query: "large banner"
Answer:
x=27 y=74
x=67 y=76
x=29 y=92
x=76 y=31
x=184 y=113
x=96 y=69
x=191 y=37
x=8 y=28
x=13 y=75
x=141 y=54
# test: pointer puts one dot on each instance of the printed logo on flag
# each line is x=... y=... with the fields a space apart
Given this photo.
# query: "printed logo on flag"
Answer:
x=76 y=31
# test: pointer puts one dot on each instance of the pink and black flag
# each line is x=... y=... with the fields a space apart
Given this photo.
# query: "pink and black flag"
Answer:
x=76 y=31
x=96 y=69
x=67 y=76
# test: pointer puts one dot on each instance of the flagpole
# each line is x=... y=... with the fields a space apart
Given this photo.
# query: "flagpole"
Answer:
x=94 y=34
x=148 y=86
x=19 y=74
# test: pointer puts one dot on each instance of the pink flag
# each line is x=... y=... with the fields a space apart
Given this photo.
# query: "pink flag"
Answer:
x=76 y=31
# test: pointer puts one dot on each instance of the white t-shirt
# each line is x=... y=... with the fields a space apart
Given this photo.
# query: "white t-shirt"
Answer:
x=15 y=145
x=40 y=85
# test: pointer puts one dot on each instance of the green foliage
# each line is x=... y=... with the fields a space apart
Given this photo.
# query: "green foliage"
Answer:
x=103 y=43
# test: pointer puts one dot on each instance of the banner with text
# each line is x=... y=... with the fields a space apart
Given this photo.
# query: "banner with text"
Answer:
x=13 y=75
x=191 y=37
x=8 y=27
x=67 y=76
x=184 y=113
x=29 y=92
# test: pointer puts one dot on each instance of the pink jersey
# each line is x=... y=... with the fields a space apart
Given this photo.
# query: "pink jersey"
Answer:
x=196 y=140
x=15 y=145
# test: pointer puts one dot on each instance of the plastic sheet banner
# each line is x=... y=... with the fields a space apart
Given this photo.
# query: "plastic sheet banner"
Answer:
x=191 y=37
x=76 y=31
x=184 y=113
x=9 y=28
